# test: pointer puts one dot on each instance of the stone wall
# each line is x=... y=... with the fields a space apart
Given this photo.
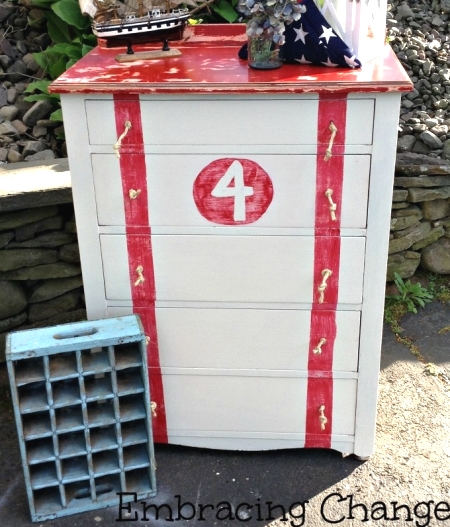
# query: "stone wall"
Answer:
x=40 y=274
x=420 y=223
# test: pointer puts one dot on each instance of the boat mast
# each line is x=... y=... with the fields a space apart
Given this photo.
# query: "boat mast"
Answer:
x=140 y=8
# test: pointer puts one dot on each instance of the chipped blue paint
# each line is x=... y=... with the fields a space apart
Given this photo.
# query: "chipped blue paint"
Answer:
x=82 y=406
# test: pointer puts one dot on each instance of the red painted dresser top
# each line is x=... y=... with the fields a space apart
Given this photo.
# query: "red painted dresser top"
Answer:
x=209 y=64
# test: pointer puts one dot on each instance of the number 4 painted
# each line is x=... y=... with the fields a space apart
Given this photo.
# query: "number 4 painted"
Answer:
x=239 y=191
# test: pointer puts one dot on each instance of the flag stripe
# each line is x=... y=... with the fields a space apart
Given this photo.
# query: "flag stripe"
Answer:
x=327 y=246
x=139 y=244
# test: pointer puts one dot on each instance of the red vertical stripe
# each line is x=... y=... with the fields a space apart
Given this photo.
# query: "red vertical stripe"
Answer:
x=139 y=244
x=327 y=248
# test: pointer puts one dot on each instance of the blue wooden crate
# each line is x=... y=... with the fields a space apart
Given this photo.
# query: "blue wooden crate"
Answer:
x=82 y=406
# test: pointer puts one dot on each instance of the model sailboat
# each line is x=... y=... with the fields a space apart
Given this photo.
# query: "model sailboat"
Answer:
x=131 y=19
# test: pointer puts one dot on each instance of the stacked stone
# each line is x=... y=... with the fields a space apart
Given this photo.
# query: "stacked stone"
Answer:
x=420 y=222
x=40 y=275
x=418 y=31
x=26 y=132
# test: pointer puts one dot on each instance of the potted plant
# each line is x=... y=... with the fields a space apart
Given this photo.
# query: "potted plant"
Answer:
x=266 y=21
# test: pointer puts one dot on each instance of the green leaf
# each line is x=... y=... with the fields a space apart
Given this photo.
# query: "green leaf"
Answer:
x=85 y=49
x=69 y=11
x=45 y=58
x=90 y=40
x=70 y=63
x=38 y=97
x=224 y=9
x=40 y=85
x=57 y=29
x=67 y=50
x=399 y=282
x=57 y=115
x=57 y=68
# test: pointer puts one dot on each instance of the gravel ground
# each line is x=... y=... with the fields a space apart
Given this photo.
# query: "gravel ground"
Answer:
x=410 y=466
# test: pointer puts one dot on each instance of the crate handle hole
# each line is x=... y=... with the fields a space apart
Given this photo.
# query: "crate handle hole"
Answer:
x=99 y=489
x=75 y=334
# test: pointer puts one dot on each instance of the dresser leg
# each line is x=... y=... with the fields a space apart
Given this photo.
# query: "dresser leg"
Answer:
x=363 y=458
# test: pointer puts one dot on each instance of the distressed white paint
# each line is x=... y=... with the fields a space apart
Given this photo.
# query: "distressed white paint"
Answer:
x=247 y=339
x=378 y=219
x=173 y=122
x=263 y=409
x=244 y=346
x=232 y=268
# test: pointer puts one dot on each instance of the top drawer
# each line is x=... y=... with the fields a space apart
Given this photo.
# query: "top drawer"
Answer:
x=196 y=122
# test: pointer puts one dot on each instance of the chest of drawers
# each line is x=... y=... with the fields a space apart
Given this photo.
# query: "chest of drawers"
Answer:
x=244 y=215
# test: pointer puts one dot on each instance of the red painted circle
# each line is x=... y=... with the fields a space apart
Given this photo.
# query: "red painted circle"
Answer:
x=222 y=209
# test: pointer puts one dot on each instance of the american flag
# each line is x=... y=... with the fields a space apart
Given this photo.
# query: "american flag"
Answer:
x=311 y=40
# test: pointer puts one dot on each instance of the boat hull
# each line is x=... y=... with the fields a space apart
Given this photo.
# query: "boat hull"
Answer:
x=141 y=28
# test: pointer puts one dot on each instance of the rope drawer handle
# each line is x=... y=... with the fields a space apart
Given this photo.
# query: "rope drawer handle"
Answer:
x=122 y=135
x=139 y=272
x=326 y=273
x=322 y=418
x=318 y=348
x=134 y=193
x=333 y=130
x=333 y=206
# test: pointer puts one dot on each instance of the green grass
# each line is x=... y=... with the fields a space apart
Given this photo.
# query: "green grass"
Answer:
x=411 y=296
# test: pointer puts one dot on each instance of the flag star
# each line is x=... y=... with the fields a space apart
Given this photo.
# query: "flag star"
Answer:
x=300 y=34
x=302 y=60
x=351 y=61
x=327 y=33
x=329 y=63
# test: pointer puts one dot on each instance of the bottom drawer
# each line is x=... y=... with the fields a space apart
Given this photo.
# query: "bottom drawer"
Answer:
x=263 y=406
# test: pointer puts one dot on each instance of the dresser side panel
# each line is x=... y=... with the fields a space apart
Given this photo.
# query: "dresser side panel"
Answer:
x=378 y=222
x=85 y=206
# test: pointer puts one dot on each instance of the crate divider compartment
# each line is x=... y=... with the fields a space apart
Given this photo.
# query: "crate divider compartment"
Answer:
x=69 y=419
x=72 y=444
x=82 y=406
x=136 y=457
x=30 y=370
x=134 y=433
x=33 y=397
x=127 y=357
x=95 y=361
x=66 y=393
x=130 y=381
x=103 y=438
x=63 y=366
x=36 y=425
x=138 y=479
x=40 y=450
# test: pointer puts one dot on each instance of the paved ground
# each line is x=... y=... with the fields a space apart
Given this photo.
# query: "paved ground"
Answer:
x=411 y=464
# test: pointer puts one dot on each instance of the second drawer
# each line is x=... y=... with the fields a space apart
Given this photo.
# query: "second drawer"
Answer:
x=199 y=191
